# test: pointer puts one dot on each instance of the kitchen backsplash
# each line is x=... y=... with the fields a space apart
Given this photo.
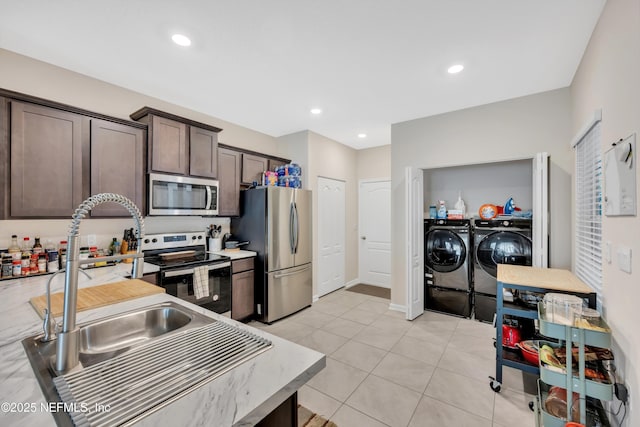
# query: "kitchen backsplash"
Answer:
x=103 y=229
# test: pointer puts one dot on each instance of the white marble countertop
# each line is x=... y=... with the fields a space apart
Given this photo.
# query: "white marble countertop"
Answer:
x=240 y=397
x=236 y=254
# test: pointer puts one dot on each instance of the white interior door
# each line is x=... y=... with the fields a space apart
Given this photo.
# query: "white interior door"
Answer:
x=414 y=241
x=374 y=207
x=331 y=235
x=540 y=222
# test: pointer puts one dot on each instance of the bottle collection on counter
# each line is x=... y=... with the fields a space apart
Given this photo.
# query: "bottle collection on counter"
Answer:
x=26 y=259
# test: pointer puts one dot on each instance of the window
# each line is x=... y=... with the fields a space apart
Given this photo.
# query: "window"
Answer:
x=588 y=198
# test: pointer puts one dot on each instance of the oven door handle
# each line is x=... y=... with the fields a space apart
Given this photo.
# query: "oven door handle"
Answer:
x=174 y=273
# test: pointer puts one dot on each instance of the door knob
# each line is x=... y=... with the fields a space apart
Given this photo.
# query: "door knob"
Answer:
x=364 y=237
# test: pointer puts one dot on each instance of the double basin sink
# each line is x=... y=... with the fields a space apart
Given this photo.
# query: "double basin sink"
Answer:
x=106 y=338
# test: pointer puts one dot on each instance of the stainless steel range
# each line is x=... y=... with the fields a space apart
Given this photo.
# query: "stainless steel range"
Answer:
x=187 y=271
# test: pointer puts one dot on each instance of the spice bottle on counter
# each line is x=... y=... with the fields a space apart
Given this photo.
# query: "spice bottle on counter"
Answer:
x=14 y=249
x=17 y=267
x=62 y=254
x=37 y=246
x=33 y=264
x=52 y=260
x=113 y=245
x=42 y=263
x=26 y=246
x=26 y=265
x=7 y=267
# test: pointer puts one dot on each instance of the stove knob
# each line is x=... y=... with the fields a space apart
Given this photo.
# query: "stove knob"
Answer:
x=193 y=237
x=146 y=240
x=154 y=240
x=505 y=223
x=199 y=237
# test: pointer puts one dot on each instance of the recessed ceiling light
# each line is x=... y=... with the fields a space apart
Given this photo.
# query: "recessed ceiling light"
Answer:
x=362 y=135
x=316 y=111
x=181 y=40
x=454 y=69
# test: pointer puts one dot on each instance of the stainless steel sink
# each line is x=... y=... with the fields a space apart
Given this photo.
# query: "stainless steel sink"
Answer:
x=115 y=334
x=109 y=337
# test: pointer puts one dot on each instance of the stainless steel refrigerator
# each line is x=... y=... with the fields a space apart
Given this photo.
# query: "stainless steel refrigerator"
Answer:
x=277 y=223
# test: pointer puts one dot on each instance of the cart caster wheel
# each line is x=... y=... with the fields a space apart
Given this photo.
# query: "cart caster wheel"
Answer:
x=495 y=386
x=531 y=406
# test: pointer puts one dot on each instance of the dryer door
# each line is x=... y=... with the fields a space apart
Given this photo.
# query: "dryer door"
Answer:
x=444 y=251
x=503 y=247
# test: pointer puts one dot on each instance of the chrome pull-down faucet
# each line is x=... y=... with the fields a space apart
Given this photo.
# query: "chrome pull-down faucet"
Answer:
x=67 y=348
x=50 y=326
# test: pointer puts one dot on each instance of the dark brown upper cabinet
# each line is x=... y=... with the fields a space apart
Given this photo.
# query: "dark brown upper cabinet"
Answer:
x=274 y=163
x=229 y=165
x=49 y=161
x=53 y=156
x=168 y=146
x=203 y=154
x=117 y=165
x=178 y=145
x=252 y=168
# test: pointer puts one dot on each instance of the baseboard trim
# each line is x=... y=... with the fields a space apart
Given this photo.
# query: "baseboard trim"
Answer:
x=351 y=283
x=397 y=307
x=315 y=299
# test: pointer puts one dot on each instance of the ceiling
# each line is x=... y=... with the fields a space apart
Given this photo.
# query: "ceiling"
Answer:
x=265 y=64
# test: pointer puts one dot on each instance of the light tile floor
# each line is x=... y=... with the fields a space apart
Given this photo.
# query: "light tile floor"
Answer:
x=383 y=370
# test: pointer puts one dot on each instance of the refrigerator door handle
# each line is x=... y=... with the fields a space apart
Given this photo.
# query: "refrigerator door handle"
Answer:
x=291 y=230
x=296 y=228
x=291 y=273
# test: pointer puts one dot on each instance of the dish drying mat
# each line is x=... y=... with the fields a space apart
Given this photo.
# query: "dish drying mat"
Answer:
x=147 y=378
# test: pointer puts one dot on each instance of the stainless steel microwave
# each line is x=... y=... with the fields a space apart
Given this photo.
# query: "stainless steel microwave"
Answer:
x=182 y=195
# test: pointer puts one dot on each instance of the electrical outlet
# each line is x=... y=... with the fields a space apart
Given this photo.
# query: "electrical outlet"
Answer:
x=92 y=240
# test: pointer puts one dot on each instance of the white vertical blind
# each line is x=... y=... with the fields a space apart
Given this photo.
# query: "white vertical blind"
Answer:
x=588 y=244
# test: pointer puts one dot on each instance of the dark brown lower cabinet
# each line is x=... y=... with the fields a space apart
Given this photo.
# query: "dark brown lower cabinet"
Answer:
x=151 y=278
x=242 y=294
x=285 y=415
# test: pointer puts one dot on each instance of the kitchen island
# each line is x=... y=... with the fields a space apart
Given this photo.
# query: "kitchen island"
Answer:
x=240 y=397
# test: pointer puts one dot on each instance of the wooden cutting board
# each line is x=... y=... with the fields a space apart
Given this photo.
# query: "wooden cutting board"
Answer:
x=98 y=296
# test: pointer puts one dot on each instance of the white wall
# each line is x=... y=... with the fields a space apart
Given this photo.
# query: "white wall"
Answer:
x=374 y=163
x=26 y=75
x=492 y=183
x=295 y=146
x=318 y=156
x=609 y=78
x=22 y=74
x=327 y=158
x=330 y=159
x=508 y=130
x=104 y=229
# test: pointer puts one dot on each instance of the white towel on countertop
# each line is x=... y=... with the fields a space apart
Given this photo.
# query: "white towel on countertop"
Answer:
x=201 y=282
